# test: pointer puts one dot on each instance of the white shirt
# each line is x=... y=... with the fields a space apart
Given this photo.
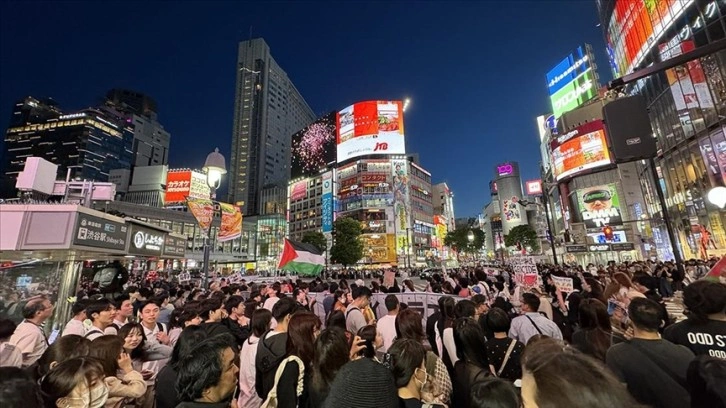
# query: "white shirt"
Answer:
x=270 y=302
x=154 y=366
x=387 y=328
x=74 y=326
x=449 y=345
x=10 y=356
x=248 y=397
x=30 y=340
x=93 y=333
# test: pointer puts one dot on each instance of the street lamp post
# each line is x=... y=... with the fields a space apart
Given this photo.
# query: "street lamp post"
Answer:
x=214 y=167
x=470 y=238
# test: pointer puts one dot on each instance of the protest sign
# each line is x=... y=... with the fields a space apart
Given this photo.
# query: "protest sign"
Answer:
x=525 y=270
x=564 y=285
x=388 y=278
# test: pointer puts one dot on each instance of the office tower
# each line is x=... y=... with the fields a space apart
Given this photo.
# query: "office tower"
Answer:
x=268 y=110
x=90 y=142
x=151 y=140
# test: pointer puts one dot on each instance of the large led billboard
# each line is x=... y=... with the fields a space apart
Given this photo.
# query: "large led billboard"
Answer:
x=636 y=24
x=371 y=127
x=598 y=206
x=313 y=147
x=581 y=149
x=572 y=82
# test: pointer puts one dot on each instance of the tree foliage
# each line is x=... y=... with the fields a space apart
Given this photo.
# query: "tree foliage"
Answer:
x=524 y=235
x=317 y=239
x=347 y=247
x=458 y=240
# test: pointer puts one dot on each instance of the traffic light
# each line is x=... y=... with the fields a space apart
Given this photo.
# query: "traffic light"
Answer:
x=608 y=232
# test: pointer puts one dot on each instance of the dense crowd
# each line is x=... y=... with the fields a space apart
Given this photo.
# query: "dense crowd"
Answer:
x=492 y=340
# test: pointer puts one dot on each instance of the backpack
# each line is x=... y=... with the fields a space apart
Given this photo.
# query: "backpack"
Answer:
x=271 y=401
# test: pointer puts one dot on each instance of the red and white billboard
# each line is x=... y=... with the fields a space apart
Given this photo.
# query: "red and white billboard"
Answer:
x=533 y=187
x=371 y=127
x=581 y=149
x=299 y=190
x=181 y=184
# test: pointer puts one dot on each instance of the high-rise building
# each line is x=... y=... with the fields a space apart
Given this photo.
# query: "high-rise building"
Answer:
x=687 y=107
x=151 y=140
x=443 y=202
x=268 y=110
x=90 y=142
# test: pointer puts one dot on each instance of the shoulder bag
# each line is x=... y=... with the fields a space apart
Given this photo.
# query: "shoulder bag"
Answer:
x=271 y=400
x=506 y=358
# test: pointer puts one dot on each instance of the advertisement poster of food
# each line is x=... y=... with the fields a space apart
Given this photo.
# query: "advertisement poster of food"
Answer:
x=203 y=212
x=231 y=222
x=371 y=127
x=585 y=150
x=599 y=206
x=313 y=147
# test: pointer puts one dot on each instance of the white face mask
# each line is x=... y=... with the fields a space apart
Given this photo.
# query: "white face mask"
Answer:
x=426 y=378
x=98 y=396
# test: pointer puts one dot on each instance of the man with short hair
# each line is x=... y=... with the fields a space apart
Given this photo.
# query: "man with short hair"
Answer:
x=531 y=323
x=124 y=311
x=387 y=324
x=272 y=347
x=207 y=376
x=354 y=318
x=235 y=307
x=329 y=300
x=653 y=369
x=75 y=325
x=273 y=293
x=101 y=312
x=29 y=337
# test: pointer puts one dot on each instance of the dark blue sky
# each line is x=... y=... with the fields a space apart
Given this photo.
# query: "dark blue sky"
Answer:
x=474 y=70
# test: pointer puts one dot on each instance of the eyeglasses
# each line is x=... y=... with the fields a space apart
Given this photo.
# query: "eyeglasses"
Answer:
x=597 y=195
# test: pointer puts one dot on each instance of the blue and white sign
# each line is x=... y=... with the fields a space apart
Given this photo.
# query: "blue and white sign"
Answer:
x=327 y=202
x=568 y=69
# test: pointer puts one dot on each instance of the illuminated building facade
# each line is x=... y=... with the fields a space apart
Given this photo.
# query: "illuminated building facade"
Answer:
x=687 y=107
x=90 y=143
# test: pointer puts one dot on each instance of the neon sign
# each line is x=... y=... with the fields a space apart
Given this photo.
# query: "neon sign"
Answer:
x=505 y=169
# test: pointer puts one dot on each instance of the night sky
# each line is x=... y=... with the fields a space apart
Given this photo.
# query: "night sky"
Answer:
x=474 y=71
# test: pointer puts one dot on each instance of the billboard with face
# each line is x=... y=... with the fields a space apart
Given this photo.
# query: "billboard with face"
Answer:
x=371 y=127
x=599 y=206
x=313 y=148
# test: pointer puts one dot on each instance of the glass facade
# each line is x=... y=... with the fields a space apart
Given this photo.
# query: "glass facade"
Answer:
x=687 y=107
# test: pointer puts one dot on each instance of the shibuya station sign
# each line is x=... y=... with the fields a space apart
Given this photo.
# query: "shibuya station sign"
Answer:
x=146 y=241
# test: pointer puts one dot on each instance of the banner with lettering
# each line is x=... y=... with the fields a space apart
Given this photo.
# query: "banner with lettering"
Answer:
x=564 y=285
x=203 y=211
x=231 y=222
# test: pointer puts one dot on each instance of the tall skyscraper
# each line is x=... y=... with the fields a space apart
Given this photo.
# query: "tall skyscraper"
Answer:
x=268 y=110
x=151 y=140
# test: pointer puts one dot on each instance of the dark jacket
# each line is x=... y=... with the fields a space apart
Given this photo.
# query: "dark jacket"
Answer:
x=240 y=333
x=270 y=352
x=165 y=391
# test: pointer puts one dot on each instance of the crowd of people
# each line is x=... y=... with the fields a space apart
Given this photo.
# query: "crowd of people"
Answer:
x=491 y=340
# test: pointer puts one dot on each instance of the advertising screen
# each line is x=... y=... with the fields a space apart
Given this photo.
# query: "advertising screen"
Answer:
x=371 y=127
x=313 y=148
x=598 y=206
x=574 y=93
x=635 y=24
x=183 y=184
x=299 y=190
x=567 y=70
x=582 y=149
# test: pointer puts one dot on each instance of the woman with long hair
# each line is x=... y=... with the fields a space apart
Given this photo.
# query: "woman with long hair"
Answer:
x=293 y=385
x=130 y=384
x=595 y=335
x=556 y=375
x=473 y=364
x=259 y=323
x=438 y=390
x=135 y=346
x=165 y=393
x=64 y=348
x=443 y=330
x=373 y=340
x=77 y=382
x=331 y=353
x=182 y=318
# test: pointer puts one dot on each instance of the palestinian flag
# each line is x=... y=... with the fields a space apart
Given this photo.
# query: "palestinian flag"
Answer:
x=305 y=259
x=718 y=271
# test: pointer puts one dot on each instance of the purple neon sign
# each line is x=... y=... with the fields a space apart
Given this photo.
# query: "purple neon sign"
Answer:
x=505 y=169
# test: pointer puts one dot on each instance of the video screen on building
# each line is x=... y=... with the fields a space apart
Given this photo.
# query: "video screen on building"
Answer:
x=371 y=127
x=572 y=82
x=313 y=147
x=598 y=206
x=581 y=149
